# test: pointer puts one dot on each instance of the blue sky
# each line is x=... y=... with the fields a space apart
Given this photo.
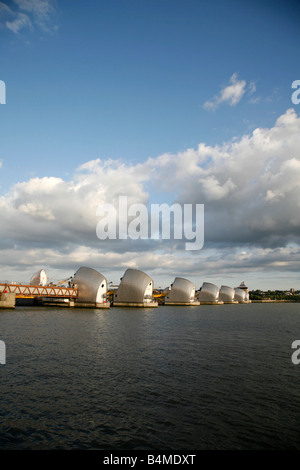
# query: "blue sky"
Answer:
x=136 y=84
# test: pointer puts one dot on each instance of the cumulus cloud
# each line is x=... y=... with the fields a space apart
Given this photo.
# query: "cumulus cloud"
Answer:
x=51 y=210
x=250 y=189
x=230 y=94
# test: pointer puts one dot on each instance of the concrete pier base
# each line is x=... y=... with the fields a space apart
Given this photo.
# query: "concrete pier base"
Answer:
x=91 y=305
x=7 y=300
x=212 y=302
x=52 y=302
x=135 y=304
x=188 y=304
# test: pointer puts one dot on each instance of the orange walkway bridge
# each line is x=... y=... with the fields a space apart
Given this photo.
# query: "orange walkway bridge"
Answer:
x=50 y=293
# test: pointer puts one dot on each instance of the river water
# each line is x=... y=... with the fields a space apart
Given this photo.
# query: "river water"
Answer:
x=168 y=378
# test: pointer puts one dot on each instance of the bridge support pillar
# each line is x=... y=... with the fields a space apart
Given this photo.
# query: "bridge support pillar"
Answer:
x=7 y=300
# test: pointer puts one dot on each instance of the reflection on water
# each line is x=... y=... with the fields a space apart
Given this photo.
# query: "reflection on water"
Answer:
x=171 y=378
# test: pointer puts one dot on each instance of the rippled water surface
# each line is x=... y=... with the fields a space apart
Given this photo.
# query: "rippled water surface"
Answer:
x=168 y=378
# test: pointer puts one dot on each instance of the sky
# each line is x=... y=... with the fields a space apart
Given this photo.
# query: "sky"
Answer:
x=169 y=101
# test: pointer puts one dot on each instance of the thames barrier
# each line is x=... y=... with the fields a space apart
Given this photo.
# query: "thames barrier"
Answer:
x=88 y=288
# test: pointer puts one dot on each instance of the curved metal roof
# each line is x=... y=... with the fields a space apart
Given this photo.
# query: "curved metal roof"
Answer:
x=89 y=281
x=226 y=294
x=209 y=292
x=240 y=294
x=39 y=278
x=181 y=290
x=133 y=286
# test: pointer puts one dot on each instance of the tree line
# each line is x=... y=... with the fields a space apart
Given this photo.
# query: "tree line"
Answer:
x=293 y=296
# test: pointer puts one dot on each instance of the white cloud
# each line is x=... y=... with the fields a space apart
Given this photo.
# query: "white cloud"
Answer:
x=254 y=100
x=252 y=87
x=213 y=189
x=251 y=92
x=26 y=14
x=41 y=10
x=21 y=21
x=51 y=210
x=230 y=94
x=250 y=188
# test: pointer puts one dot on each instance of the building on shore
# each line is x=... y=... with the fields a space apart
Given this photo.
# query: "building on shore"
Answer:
x=243 y=286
